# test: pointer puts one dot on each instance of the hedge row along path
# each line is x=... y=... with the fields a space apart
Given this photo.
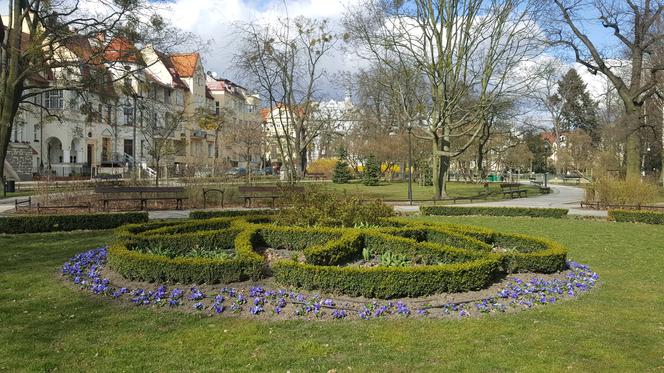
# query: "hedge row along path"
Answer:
x=184 y=260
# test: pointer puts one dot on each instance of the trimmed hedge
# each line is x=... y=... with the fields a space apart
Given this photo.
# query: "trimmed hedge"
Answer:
x=389 y=282
x=636 y=216
x=443 y=257
x=493 y=211
x=208 y=214
x=60 y=223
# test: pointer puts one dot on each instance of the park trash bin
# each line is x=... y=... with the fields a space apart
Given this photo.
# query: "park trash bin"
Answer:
x=10 y=186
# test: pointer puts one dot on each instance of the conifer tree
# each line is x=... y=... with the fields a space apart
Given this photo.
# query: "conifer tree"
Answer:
x=341 y=174
x=371 y=176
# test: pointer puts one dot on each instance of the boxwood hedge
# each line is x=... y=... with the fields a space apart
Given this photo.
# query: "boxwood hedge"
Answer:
x=443 y=258
x=59 y=223
x=493 y=211
x=636 y=216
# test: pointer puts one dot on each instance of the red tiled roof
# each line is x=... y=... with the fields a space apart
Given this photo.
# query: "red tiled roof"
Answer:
x=168 y=63
x=185 y=63
x=122 y=50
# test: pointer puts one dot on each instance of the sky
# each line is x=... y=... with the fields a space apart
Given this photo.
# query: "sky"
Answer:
x=213 y=20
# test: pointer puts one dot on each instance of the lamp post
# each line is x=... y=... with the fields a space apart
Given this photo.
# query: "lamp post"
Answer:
x=130 y=110
x=410 y=166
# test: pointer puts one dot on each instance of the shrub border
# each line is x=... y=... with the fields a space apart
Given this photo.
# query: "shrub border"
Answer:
x=62 y=222
x=460 y=269
x=636 y=216
x=494 y=211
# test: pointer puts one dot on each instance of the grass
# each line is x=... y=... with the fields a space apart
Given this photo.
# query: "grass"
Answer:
x=619 y=326
x=17 y=194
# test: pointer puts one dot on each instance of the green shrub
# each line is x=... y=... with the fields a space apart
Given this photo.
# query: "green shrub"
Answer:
x=389 y=282
x=318 y=207
x=207 y=214
x=417 y=258
x=371 y=173
x=636 y=216
x=341 y=173
x=59 y=223
x=493 y=211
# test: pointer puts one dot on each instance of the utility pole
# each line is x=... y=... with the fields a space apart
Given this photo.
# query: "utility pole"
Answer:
x=410 y=165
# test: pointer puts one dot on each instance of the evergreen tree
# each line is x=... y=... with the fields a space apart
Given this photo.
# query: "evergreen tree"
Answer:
x=540 y=149
x=371 y=176
x=341 y=174
x=578 y=111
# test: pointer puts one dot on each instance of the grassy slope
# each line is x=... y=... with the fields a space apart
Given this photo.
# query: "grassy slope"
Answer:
x=618 y=327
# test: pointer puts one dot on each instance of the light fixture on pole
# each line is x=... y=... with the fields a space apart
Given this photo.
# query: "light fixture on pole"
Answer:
x=410 y=165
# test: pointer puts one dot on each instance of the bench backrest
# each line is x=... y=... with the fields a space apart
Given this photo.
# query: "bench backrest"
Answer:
x=510 y=185
x=269 y=189
x=128 y=190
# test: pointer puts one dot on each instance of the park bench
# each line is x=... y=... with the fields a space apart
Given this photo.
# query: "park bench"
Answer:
x=86 y=205
x=513 y=189
x=142 y=194
x=266 y=192
x=576 y=178
x=212 y=190
x=315 y=175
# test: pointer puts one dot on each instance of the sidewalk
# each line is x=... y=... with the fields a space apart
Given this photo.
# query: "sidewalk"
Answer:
x=561 y=196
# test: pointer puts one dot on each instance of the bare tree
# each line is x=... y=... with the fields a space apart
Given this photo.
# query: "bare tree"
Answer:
x=633 y=24
x=466 y=49
x=162 y=139
x=283 y=59
x=63 y=45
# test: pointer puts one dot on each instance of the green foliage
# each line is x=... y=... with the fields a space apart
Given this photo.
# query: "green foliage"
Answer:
x=578 y=110
x=61 y=223
x=389 y=282
x=425 y=172
x=371 y=174
x=493 y=211
x=341 y=172
x=632 y=216
x=416 y=258
x=388 y=259
x=317 y=207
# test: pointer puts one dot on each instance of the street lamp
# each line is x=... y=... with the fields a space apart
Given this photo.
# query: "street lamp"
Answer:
x=410 y=166
x=130 y=110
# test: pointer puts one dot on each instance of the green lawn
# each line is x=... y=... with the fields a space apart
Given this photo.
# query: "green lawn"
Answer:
x=619 y=326
x=17 y=194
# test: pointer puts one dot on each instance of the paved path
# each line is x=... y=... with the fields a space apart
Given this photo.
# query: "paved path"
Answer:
x=561 y=196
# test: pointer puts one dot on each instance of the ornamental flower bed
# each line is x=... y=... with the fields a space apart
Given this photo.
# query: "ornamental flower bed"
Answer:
x=85 y=270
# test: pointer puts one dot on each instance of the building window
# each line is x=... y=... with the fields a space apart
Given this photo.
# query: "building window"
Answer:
x=167 y=96
x=210 y=150
x=35 y=136
x=217 y=110
x=100 y=113
x=109 y=114
x=55 y=100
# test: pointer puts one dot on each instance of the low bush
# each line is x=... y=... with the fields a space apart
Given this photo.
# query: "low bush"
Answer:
x=636 y=216
x=630 y=192
x=318 y=207
x=493 y=211
x=59 y=223
x=389 y=282
x=416 y=258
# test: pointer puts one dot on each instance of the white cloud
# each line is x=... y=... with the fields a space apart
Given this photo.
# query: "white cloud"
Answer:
x=212 y=21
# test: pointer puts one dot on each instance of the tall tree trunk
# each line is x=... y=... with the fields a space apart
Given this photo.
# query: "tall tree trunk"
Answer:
x=441 y=166
x=632 y=145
